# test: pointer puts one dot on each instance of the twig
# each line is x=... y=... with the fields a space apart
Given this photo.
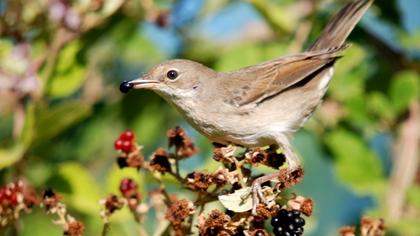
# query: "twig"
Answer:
x=177 y=167
x=105 y=229
x=406 y=157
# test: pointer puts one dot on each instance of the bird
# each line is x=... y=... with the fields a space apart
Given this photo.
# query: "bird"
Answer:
x=258 y=105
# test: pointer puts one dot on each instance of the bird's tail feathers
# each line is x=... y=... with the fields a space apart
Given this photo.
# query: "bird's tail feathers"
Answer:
x=340 y=26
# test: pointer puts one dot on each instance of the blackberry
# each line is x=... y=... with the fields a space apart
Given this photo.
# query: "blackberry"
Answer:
x=288 y=223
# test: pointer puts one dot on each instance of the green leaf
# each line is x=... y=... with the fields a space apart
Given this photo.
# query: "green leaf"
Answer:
x=282 y=20
x=236 y=202
x=411 y=40
x=28 y=131
x=379 y=105
x=352 y=58
x=49 y=122
x=356 y=164
x=349 y=76
x=248 y=54
x=85 y=193
x=68 y=74
x=405 y=87
x=413 y=196
x=10 y=156
x=356 y=110
x=408 y=226
x=39 y=223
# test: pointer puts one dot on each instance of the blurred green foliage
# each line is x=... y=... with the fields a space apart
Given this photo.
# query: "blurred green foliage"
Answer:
x=61 y=63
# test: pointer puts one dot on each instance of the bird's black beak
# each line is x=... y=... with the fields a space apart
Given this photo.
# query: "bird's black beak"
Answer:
x=139 y=83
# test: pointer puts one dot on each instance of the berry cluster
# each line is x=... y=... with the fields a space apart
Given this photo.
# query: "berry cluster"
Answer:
x=125 y=142
x=288 y=223
x=15 y=197
x=9 y=195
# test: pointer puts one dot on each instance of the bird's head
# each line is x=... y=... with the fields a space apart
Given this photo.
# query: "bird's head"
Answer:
x=172 y=78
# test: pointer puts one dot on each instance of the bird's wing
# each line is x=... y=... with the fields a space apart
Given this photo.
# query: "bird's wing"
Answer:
x=255 y=83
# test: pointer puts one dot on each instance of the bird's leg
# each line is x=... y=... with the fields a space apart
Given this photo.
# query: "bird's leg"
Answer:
x=292 y=165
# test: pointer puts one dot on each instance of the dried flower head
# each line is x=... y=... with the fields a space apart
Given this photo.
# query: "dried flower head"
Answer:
x=198 y=181
x=74 y=227
x=256 y=157
x=372 y=227
x=215 y=224
x=263 y=213
x=288 y=179
x=52 y=204
x=135 y=160
x=268 y=157
x=184 y=146
x=305 y=205
x=50 y=199
x=110 y=204
x=179 y=211
x=222 y=177
x=160 y=161
x=224 y=154
x=348 y=231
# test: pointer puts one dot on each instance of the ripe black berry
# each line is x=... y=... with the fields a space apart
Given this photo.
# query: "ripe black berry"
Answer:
x=287 y=223
x=259 y=233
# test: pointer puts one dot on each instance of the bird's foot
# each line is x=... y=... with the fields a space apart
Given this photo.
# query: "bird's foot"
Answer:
x=285 y=178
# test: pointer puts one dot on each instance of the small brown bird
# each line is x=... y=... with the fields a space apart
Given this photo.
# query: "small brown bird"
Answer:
x=257 y=105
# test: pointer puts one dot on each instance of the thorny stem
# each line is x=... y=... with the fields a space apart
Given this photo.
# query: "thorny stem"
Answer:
x=177 y=167
x=177 y=176
x=406 y=161
x=238 y=171
x=167 y=197
x=105 y=229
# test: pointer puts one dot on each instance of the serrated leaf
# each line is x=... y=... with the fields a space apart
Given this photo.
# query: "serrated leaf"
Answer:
x=404 y=89
x=68 y=74
x=238 y=201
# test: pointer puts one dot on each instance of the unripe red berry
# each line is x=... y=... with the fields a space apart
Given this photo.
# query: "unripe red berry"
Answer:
x=2 y=194
x=127 y=146
x=127 y=136
x=13 y=199
x=127 y=185
x=118 y=145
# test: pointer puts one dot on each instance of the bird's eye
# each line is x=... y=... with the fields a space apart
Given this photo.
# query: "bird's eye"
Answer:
x=172 y=74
